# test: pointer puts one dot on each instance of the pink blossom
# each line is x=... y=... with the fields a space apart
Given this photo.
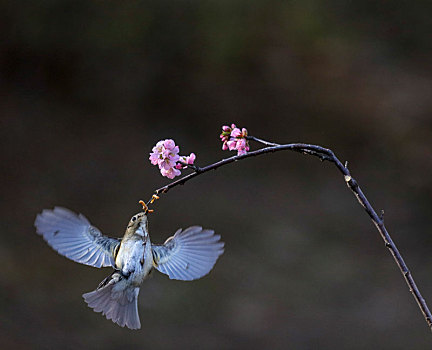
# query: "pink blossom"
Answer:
x=170 y=173
x=232 y=145
x=242 y=146
x=225 y=135
x=165 y=156
x=234 y=139
x=236 y=132
x=170 y=144
x=156 y=155
x=190 y=159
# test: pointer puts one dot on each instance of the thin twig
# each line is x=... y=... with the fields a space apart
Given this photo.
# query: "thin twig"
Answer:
x=324 y=154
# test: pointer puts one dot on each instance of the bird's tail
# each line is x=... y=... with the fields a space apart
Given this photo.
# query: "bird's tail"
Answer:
x=116 y=300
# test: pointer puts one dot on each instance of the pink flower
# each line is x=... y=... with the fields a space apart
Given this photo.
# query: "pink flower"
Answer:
x=170 y=173
x=225 y=135
x=190 y=159
x=232 y=145
x=156 y=155
x=234 y=139
x=236 y=132
x=186 y=160
x=165 y=156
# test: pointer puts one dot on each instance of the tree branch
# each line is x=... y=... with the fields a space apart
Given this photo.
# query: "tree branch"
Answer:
x=328 y=155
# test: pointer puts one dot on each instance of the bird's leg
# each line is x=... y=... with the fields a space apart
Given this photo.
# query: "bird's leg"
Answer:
x=108 y=279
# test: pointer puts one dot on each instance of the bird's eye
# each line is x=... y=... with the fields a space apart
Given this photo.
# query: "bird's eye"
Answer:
x=134 y=218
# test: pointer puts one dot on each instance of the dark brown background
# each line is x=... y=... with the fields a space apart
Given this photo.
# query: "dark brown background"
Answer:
x=88 y=87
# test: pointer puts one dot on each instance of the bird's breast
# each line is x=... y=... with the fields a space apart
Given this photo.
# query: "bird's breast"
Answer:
x=132 y=260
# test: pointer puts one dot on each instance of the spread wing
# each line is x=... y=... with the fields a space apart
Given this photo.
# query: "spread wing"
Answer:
x=189 y=254
x=74 y=237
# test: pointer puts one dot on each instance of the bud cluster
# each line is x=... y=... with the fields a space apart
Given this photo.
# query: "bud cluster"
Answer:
x=234 y=139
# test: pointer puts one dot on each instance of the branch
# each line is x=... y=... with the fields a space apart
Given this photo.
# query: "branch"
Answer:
x=328 y=155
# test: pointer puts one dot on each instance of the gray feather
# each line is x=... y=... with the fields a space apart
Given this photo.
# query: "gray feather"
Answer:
x=189 y=254
x=73 y=236
x=117 y=301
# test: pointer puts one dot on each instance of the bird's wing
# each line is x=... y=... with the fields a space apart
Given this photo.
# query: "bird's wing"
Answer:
x=189 y=254
x=74 y=237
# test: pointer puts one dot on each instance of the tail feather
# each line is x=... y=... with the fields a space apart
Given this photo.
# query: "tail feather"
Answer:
x=117 y=302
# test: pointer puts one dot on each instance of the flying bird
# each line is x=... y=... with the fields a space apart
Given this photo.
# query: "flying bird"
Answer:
x=187 y=255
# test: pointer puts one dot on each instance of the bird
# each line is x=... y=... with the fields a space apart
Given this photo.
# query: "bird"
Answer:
x=187 y=255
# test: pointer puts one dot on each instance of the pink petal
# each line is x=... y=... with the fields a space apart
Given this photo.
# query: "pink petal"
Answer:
x=173 y=162
x=159 y=145
x=232 y=145
x=173 y=157
x=241 y=143
x=169 y=144
x=191 y=158
x=179 y=165
x=165 y=165
x=163 y=172
x=171 y=173
x=236 y=132
x=168 y=173
x=154 y=158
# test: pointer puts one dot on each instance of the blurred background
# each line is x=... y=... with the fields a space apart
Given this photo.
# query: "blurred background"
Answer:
x=88 y=87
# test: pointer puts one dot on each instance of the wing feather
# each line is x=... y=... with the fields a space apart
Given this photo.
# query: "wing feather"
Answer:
x=189 y=254
x=73 y=236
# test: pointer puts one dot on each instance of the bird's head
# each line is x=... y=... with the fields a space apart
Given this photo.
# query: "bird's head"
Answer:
x=138 y=225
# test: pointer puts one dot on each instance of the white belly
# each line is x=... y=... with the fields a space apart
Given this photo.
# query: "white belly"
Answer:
x=134 y=260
